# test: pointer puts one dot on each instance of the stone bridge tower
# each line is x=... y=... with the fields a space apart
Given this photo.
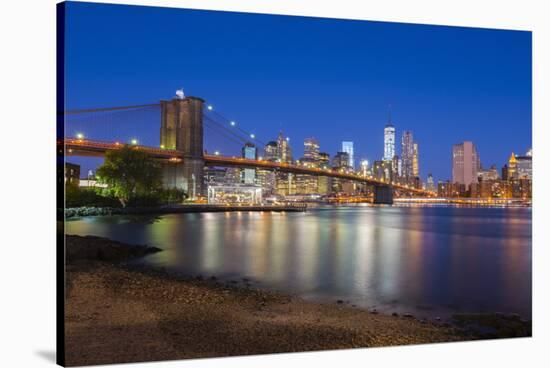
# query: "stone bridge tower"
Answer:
x=182 y=129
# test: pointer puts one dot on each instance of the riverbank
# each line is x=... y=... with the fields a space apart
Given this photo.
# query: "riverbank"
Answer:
x=183 y=208
x=117 y=314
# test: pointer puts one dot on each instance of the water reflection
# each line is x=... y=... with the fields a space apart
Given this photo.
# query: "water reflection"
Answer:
x=431 y=259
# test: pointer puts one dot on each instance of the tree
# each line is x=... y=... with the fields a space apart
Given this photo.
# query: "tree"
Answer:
x=130 y=173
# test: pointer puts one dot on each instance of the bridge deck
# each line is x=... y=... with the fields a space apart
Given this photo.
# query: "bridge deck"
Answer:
x=84 y=147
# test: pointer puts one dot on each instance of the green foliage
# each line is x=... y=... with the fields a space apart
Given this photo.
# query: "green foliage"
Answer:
x=79 y=197
x=172 y=196
x=130 y=174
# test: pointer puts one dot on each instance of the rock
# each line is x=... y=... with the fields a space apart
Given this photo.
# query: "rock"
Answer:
x=373 y=311
x=245 y=279
x=407 y=315
x=340 y=301
x=213 y=278
x=395 y=314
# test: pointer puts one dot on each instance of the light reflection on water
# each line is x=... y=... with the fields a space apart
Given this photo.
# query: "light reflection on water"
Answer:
x=430 y=260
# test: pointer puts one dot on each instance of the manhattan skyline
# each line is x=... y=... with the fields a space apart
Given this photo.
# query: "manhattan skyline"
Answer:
x=298 y=75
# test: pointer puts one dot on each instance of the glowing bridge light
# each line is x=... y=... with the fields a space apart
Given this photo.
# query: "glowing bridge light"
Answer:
x=217 y=153
x=252 y=136
x=80 y=135
x=134 y=141
x=232 y=123
x=210 y=107
x=162 y=146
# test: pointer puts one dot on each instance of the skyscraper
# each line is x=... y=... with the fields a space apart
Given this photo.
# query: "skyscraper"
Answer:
x=407 y=153
x=430 y=183
x=283 y=148
x=347 y=147
x=271 y=151
x=465 y=163
x=416 y=169
x=389 y=142
x=249 y=152
x=311 y=149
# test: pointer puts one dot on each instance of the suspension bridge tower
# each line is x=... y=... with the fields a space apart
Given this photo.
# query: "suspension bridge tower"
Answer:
x=182 y=129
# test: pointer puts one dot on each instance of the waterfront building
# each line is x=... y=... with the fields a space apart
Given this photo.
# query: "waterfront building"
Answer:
x=214 y=175
x=465 y=160
x=524 y=167
x=266 y=180
x=241 y=194
x=249 y=152
x=285 y=184
x=72 y=174
x=309 y=184
x=232 y=176
x=430 y=186
x=347 y=147
x=389 y=141
x=324 y=183
x=407 y=151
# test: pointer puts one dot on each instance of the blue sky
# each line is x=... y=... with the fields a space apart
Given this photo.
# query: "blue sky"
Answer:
x=331 y=79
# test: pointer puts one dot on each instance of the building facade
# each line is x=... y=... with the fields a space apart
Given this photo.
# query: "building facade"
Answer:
x=465 y=163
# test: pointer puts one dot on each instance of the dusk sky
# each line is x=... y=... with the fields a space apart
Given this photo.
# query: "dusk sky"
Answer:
x=330 y=79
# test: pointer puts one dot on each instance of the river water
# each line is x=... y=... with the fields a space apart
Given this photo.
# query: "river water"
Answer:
x=429 y=261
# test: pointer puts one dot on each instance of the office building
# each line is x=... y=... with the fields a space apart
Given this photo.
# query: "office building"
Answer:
x=407 y=152
x=389 y=142
x=465 y=162
x=347 y=147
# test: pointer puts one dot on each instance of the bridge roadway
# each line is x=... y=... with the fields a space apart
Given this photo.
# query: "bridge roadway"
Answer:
x=85 y=147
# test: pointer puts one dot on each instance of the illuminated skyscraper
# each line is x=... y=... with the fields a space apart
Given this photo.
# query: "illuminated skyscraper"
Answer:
x=271 y=151
x=416 y=169
x=465 y=163
x=430 y=183
x=347 y=147
x=407 y=153
x=311 y=149
x=283 y=148
x=389 y=142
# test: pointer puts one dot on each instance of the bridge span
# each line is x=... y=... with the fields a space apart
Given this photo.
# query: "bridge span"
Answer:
x=183 y=158
x=85 y=147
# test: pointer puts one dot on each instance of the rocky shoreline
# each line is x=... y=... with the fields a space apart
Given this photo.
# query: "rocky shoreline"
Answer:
x=119 y=314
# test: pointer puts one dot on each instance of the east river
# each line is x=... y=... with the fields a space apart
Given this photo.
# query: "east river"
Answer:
x=430 y=261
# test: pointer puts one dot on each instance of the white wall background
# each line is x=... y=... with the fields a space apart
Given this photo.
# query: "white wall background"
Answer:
x=27 y=192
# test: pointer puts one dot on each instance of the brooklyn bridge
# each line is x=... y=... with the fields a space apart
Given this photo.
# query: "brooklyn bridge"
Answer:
x=183 y=121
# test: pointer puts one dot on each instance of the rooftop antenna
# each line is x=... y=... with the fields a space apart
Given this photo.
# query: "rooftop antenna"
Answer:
x=389 y=113
x=179 y=94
